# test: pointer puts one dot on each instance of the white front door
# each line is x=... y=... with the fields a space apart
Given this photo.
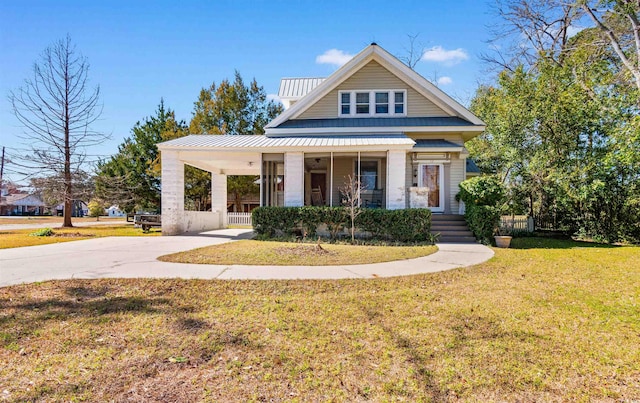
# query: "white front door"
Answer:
x=432 y=178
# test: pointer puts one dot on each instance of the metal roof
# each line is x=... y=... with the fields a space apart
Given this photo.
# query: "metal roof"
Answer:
x=472 y=167
x=374 y=122
x=229 y=142
x=435 y=143
x=298 y=87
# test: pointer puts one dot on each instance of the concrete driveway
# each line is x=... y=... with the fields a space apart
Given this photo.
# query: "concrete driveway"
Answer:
x=135 y=257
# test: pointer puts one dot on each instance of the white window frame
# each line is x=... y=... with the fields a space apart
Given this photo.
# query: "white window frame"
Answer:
x=440 y=179
x=372 y=103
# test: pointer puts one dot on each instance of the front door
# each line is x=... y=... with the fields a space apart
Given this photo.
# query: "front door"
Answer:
x=432 y=178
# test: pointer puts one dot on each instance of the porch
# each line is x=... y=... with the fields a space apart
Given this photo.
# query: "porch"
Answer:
x=292 y=172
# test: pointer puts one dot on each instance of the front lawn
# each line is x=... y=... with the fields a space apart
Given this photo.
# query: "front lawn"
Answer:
x=23 y=237
x=545 y=321
x=293 y=254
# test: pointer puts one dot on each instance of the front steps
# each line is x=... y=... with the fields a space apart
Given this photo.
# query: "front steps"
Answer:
x=452 y=228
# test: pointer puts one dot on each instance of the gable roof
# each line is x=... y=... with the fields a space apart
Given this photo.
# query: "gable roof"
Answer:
x=391 y=63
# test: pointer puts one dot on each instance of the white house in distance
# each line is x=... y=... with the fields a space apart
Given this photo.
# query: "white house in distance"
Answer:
x=374 y=119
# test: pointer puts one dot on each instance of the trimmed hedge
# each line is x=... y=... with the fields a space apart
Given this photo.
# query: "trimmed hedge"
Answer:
x=409 y=225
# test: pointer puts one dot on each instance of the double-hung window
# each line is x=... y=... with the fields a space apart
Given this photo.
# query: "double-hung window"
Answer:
x=382 y=102
x=362 y=103
x=373 y=103
x=398 y=97
x=345 y=103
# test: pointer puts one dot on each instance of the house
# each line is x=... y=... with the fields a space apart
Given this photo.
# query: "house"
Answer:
x=78 y=209
x=21 y=204
x=114 y=211
x=374 y=119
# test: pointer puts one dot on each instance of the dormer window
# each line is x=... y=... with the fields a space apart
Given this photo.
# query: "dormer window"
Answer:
x=345 y=103
x=362 y=103
x=375 y=103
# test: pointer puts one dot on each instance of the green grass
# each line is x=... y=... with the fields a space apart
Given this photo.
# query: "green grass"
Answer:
x=292 y=254
x=544 y=321
x=24 y=237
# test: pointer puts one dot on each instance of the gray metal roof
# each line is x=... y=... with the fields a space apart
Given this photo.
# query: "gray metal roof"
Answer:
x=435 y=143
x=472 y=167
x=374 y=122
x=257 y=142
x=298 y=87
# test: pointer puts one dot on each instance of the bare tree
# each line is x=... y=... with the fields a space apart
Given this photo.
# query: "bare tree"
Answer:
x=413 y=53
x=626 y=10
x=351 y=191
x=56 y=108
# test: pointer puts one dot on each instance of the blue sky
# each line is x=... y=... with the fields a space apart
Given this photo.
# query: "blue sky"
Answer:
x=142 y=51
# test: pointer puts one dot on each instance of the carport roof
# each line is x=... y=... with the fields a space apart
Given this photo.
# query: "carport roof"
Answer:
x=243 y=142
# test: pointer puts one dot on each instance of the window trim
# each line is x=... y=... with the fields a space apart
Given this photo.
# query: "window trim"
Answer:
x=391 y=104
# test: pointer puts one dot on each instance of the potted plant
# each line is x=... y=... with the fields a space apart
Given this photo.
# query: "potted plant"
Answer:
x=502 y=235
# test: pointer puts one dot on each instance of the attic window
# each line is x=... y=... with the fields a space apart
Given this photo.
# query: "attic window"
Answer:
x=373 y=103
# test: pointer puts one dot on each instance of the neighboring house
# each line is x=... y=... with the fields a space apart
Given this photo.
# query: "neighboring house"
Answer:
x=114 y=211
x=21 y=204
x=374 y=119
x=78 y=209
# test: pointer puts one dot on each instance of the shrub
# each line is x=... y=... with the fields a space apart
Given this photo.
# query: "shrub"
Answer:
x=483 y=197
x=482 y=191
x=410 y=225
x=271 y=221
x=43 y=232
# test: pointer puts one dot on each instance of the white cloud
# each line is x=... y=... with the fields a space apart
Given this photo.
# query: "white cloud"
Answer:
x=441 y=55
x=444 y=80
x=273 y=97
x=334 y=56
x=572 y=30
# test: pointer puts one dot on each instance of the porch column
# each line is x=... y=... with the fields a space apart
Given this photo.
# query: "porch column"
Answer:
x=396 y=179
x=294 y=179
x=219 y=197
x=172 y=180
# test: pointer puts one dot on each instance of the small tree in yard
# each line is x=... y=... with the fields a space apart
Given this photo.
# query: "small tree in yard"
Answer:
x=96 y=209
x=350 y=194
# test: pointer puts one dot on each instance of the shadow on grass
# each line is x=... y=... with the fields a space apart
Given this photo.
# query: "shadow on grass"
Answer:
x=244 y=235
x=553 y=243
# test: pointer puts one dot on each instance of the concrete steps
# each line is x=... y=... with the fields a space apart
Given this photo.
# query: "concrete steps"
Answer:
x=452 y=228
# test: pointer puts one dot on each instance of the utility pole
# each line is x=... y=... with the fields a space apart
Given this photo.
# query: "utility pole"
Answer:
x=1 y=170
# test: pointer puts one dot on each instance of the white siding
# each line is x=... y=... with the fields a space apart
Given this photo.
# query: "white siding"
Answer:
x=372 y=77
x=456 y=176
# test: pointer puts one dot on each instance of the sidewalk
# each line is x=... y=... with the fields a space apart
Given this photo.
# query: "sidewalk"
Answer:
x=135 y=257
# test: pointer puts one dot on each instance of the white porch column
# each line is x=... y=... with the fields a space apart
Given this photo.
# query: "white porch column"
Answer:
x=219 y=197
x=396 y=179
x=294 y=179
x=172 y=180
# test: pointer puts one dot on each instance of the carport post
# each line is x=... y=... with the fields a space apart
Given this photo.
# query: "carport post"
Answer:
x=172 y=181
x=219 y=197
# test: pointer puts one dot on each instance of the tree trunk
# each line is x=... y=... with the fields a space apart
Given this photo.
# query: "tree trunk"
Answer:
x=68 y=195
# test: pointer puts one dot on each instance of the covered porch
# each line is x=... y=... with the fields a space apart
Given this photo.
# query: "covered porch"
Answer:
x=293 y=171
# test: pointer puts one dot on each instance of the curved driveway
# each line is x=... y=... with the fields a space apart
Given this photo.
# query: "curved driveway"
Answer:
x=135 y=257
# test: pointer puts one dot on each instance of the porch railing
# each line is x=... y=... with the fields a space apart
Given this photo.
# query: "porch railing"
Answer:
x=239 y=218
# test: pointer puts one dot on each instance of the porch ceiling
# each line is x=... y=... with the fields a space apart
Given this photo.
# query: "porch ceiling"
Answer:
x=230 y=163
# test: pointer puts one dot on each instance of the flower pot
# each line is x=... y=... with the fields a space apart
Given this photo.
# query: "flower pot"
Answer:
x=502 y=241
